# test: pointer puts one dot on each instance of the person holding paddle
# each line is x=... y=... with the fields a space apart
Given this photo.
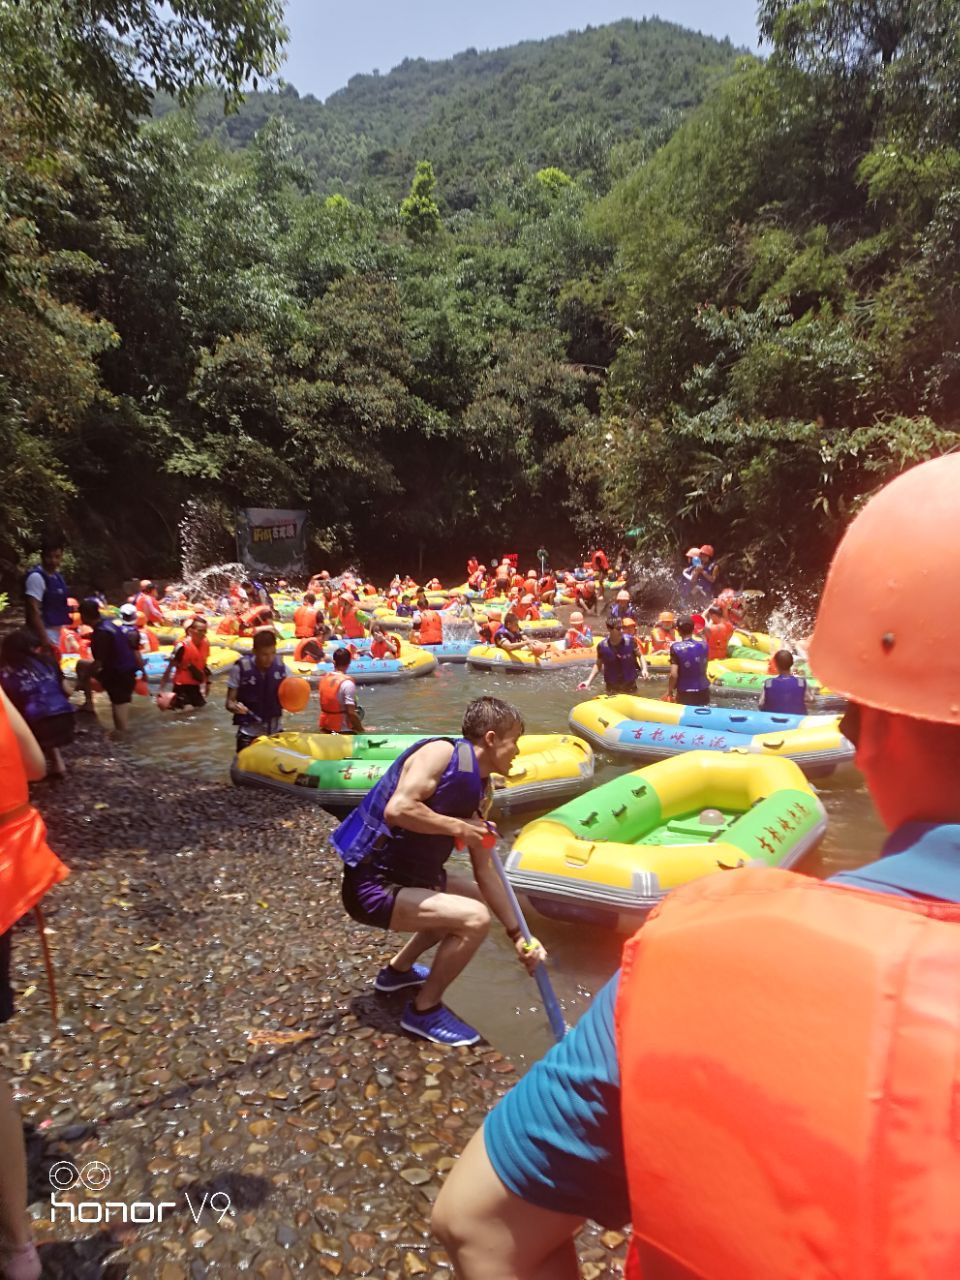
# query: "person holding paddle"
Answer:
x=395 y=848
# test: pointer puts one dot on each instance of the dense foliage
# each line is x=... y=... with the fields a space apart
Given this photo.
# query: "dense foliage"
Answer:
x=494 y=297
x=564 y=102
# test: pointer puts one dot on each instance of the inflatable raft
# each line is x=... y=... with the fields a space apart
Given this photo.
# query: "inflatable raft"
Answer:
x=738 y=679
x=155 y=663
x=413 y=661
x=625 y=724
x=339 y=769
x=610 y=856
x=488 y=657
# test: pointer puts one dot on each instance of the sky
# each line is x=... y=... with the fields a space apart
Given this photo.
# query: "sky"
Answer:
x=329 y=42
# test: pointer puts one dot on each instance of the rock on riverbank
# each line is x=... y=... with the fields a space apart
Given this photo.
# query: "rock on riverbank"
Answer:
x=219 y=1042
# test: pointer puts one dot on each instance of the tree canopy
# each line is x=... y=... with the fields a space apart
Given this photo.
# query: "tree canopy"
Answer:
x=728 y=311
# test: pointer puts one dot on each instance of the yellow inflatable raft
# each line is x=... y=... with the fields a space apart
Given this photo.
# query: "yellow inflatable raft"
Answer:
x=339 y=769
x=488 y=657
x=611 y=855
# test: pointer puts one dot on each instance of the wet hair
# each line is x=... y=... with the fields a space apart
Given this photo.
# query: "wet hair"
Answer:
x=783 y=660
x=309 y=598
x=51 y=542
x=484 y=714
x=90 y=609
x=685 y=625
x=715 y=610
x=508 y=618
x=614 y=624
x=341 y=659
x=264 y=640
x=17 y=646
x=376 y=628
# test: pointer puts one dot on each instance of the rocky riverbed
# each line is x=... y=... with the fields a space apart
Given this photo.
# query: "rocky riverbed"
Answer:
x=221 y=1074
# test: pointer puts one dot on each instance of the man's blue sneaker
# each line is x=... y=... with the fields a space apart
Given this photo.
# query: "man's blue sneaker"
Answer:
x=439 y=1025
x=389 y=980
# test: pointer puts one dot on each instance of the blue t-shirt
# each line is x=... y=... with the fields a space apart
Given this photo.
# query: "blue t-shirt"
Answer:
x=555 y=1140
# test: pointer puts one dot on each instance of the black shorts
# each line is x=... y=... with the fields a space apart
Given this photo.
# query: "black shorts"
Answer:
x=6 y=990
x=118 y=685
x=187 y=695
x=696 y=698
x=622 y=688
x=54 y=731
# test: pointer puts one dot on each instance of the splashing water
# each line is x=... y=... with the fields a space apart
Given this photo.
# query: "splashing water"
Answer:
x=793 y=623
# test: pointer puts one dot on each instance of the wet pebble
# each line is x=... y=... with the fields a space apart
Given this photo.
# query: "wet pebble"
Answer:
x=209 y=1045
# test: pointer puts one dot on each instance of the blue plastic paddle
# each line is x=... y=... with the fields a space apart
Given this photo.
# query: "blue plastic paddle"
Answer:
x=550 y=1002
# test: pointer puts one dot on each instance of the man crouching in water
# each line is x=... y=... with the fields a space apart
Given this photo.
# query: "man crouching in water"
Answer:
x=395 y=847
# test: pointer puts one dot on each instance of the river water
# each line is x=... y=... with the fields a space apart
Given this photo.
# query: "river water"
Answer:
x=494 y=993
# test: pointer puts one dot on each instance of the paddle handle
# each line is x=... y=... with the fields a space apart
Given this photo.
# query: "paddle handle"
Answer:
x=547 y=994
x=550 y=1002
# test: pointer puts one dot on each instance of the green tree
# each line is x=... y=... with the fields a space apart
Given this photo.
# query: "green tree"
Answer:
x=419 y=212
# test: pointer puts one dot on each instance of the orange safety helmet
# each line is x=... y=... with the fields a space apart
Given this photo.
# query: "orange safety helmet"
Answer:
x=883 y=612
x=706 y=550
x=668 y=618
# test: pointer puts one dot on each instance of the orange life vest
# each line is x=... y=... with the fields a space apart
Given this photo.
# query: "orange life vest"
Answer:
x=661 y=639
x=575 y=639
x=431 y=627
x=304 y=622
x=308 y=648
x=228 y=626
x=788 y=1063
x=333 y=718
x=192 y=655
x=352 y=626
x=28 y=866
x=253 y=617
x=718 y=637
x=148 y=640
x=382 y=648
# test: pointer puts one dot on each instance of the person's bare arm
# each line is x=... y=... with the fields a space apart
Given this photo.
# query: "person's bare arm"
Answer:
x=419 y=779
x=30 y=753
x=34 y=620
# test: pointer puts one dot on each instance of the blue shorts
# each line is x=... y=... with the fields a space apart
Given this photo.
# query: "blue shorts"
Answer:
x=369 y=892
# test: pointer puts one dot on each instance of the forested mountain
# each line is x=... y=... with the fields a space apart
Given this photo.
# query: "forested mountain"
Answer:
x=731 y=324
x=564 y=101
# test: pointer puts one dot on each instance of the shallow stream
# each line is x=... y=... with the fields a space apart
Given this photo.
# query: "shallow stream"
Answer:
x=494 y=993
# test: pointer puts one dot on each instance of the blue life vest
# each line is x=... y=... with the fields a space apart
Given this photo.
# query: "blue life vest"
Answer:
x=257 y=691
x=504 y=633
x=408 y=857
x=620 y=663
x=33 y=686
x=621 y=611
x=690 y=656
x=120 y=656
x=53 y=607
x=784 y=695
x=404 y=611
